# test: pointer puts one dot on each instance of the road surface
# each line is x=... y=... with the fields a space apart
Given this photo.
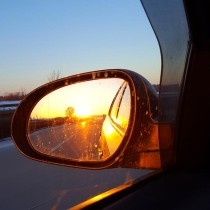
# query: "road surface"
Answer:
x=28 y=184
x=79 y=140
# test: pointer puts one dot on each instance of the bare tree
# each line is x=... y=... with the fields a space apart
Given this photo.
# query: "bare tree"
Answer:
x=23 y=92
x=54 y=76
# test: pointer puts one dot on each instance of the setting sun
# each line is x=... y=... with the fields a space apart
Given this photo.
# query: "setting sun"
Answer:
x=83 y=111
x=85 y=98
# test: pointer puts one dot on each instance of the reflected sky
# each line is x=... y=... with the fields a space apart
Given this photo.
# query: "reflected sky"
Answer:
x=86 y=98
x=39 y=37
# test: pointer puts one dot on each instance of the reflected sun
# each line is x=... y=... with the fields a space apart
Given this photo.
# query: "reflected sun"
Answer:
x=83 y=111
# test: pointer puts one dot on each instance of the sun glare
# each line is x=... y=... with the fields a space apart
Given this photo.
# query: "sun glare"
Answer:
x=83 y=111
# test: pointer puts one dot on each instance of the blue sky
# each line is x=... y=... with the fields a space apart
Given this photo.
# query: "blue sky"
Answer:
x=72 y=36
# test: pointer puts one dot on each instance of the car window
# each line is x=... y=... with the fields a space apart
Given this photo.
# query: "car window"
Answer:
x=173 y=69
x=114 y=109
x=120 y=111
x=124 y=114
x=45 y=40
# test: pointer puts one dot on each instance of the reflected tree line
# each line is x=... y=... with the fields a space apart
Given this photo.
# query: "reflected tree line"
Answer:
x=37 y=122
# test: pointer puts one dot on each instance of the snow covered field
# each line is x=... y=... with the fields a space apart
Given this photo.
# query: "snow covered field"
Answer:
x=8 y=105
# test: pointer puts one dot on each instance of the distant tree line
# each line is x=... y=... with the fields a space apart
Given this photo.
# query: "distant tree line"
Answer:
x=13 y=96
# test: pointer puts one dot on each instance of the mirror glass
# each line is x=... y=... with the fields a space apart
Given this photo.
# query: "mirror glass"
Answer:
x=84 y=121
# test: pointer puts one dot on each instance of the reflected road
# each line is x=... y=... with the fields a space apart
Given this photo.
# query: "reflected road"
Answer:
x=78 y=140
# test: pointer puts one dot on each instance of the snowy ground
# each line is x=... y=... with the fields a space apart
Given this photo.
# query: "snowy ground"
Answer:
x=8 y=105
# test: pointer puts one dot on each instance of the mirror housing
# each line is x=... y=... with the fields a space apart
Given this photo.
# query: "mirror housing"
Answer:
x=139 y=147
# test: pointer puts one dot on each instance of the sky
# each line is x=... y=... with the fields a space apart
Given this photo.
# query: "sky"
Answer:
x=38 y=37
x=86 y=98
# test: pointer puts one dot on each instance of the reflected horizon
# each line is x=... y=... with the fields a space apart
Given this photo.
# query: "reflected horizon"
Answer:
x=82 y=99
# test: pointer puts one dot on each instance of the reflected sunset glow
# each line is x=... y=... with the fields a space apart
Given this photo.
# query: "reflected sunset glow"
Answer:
x=84 y=99
x=82 y=110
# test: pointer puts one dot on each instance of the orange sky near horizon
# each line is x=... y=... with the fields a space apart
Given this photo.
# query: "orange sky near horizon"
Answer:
x=87 y=98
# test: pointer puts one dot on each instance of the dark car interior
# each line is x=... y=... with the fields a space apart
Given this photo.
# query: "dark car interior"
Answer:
x=186 y=184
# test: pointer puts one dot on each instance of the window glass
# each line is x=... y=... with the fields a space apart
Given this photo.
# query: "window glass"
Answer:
x=117 y=100
x=120 y=111
x=124 y=111
x=41 y=41
x=176 y=49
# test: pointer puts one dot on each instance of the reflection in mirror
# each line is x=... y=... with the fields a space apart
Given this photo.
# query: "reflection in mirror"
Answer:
x=77 y=121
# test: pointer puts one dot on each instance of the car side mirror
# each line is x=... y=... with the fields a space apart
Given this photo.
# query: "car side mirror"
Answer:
x=100 y=119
